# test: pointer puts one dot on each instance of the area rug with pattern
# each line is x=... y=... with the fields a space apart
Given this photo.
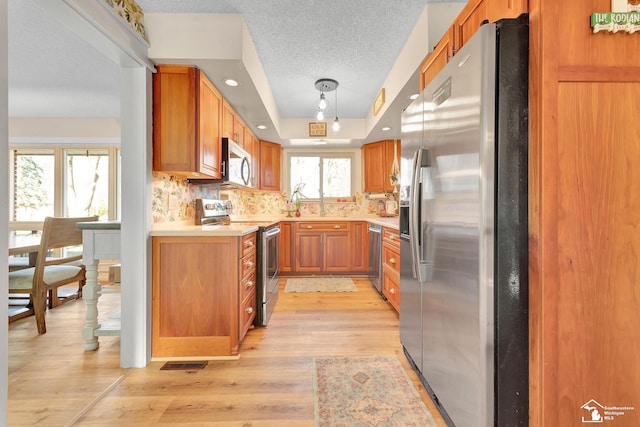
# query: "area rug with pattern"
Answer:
x=320 y=284
x=366 y=391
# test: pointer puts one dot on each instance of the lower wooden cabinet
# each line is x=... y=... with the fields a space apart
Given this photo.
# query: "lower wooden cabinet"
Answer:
x=285 y=246
x=322 y=247
x=319 y=247
x=359 y=240
x=391 y=266
x=248 y=300
x=203 y=294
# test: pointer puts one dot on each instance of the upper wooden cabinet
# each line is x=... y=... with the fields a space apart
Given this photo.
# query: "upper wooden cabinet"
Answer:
x=471 y=17
x=270 y=154
x=437 y=59
x=240 y=129
x=233 y=127
x=186 y=123
x=228 y=121
x=378 y=160
x=469 y=20
x=255 y=164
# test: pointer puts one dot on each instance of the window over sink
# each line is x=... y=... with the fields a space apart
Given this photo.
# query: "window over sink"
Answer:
x=321 y=175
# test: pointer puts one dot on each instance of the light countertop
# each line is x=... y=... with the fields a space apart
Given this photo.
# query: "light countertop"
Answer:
x=240 y=229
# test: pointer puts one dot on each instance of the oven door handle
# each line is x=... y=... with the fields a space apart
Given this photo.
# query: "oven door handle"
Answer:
x=272 y=231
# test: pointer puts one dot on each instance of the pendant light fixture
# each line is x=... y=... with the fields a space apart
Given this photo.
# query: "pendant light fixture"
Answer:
x=324 y=85
x=336 y=126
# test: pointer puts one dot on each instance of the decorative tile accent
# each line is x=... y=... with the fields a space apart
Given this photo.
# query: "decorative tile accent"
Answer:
x=173 y=199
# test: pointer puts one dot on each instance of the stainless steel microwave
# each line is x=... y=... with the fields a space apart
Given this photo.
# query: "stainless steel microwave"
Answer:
x=235 y=167
x=236 y=163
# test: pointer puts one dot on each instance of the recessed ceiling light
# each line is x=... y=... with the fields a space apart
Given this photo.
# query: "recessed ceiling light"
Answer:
x=230 y=82
x=386 y=128
x=414 y=96
x=262 y=127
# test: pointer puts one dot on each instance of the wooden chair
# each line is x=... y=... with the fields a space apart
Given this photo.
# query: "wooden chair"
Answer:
x=50 y=273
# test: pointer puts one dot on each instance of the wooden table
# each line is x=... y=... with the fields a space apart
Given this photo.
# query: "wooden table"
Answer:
x=100 y=240
x=24 y=244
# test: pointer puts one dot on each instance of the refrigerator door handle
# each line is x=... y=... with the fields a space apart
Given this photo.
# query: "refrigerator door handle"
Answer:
x=414 y=213
x=422 y=269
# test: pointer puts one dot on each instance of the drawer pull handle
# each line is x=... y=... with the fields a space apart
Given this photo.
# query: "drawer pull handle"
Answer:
x=337 y=227
x=391 y=237
x=248 y=243
x=249 y=310
x=392 y=260
x=309 y=227
x=392 y=291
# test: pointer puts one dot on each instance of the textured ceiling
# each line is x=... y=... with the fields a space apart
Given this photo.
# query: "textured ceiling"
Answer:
x=298 y=41
x=54 y=73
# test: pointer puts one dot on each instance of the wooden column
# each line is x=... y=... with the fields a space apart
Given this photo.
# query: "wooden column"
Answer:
x=584 y=220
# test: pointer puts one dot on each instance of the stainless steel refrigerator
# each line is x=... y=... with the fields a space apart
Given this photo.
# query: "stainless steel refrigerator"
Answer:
x=463 y=224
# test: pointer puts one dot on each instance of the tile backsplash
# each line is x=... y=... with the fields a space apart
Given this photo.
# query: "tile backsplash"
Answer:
x=174 y=200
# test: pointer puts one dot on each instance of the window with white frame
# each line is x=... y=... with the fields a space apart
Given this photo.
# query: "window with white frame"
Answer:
x=63 y=181
x=321 y=175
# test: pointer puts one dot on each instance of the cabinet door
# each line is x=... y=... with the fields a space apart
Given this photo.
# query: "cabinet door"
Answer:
x=391 y=289
x=469 y=20
x=174 y=119
x=336 y=252
x=186 y=273
x=285 y=263
x=374 y=159
x=270 y=166
x=228 y=120
x=359 y=242
x=309 y=252
x=239 y=129
x=390 y=147
x=498 y=9
x=255 y=164
x=438 y=58
x=209 y=142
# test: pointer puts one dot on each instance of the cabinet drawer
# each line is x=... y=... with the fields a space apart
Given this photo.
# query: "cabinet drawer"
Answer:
x=248 y=244
x=247 y=313
x=391 y=236
x=322 y=226
x=248 y=265
x=391 y=257
x=391 y=289
x=248 y=285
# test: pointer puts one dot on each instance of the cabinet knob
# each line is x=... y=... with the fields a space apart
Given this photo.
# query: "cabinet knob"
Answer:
x=249 y=263
x=336 y=227
x=250 y=283
x=309 y=227
x=248 y=243
x=392 y=260
x=249 y=310
x=391 y=237
x=392 y=290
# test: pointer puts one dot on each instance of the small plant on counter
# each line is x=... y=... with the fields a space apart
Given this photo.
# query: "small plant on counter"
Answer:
x=296 y=195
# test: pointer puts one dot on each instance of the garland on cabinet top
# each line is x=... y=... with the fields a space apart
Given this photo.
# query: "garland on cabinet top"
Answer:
x=130 y=12
x=624 y=17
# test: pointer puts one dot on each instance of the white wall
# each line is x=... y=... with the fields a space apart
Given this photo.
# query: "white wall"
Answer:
x=4 y=214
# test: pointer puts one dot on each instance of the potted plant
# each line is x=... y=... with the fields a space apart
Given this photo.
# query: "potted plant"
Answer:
x=296 y=196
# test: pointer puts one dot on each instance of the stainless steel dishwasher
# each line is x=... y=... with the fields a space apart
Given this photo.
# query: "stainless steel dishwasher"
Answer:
x=375 y=256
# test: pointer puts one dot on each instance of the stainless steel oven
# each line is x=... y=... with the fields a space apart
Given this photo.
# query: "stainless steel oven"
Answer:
x=267 y=287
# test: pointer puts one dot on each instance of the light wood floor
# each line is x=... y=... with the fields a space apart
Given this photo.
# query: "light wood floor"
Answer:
x=54 y=382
